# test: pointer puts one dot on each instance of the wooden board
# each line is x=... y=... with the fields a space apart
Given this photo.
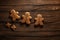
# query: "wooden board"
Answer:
x=50 y=9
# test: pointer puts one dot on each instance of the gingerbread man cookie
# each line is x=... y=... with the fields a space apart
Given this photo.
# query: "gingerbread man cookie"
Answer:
x=26 y=18
x=39 y=20
x=14 y=15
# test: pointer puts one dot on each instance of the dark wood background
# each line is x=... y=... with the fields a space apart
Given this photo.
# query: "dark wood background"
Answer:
x=50 y=9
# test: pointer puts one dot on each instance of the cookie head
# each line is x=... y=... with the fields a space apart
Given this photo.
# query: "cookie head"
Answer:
x=12 y=11
x=39 y=15
x=27 y=13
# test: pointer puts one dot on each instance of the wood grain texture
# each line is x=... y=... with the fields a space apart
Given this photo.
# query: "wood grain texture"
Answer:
x=50 y=9
x=22 y=2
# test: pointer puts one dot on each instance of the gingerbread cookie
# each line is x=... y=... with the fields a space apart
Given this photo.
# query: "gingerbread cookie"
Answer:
x=14 y=15
x=26 y=18
x=8 y=24
x=13 y=27
x=39 y=20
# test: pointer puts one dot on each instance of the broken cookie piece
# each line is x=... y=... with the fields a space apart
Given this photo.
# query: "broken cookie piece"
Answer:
x=13 y=27
x=8 y=25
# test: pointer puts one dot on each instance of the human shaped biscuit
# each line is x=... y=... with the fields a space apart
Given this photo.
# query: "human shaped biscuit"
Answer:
x=13 y=27
x=14 y=15
x=8 y=25
x=39 y=20
x=26 y=18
